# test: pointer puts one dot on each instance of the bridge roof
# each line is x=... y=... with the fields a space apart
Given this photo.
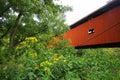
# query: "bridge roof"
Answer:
x=98 y=12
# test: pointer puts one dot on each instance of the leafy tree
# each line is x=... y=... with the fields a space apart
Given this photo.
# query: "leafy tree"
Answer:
x=29 y=48
x=24 y=18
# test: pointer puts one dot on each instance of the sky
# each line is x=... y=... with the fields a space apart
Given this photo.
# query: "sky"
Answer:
x=81 y=8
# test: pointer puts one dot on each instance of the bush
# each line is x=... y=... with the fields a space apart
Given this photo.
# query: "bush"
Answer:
x=96 y=64
x=44 y=58
x=35 y=58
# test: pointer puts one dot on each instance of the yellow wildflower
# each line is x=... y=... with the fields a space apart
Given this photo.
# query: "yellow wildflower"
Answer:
x=46 y=63
x=34 y=39
x=55 y=55
x=28 y=46
x=49 y=63
x=23 y=43
x=46 y=69
x=42 y=64
x=33 y=55
x=64 y=61
x=56 y=59
x=17 y=47
x=36 y=68
x=61 y=57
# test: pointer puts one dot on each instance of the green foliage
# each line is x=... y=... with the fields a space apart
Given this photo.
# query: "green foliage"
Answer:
x=37 y=17
x=96 y=64
x=34 y=58
x=36 y=54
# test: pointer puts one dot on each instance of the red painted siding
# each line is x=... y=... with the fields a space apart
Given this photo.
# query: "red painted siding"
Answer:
x=106 y=30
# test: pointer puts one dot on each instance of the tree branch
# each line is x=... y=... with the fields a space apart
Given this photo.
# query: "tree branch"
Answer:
x=5 y=10
x=5 y=33
x=1 y=14
x=14 y=30
x=30 y=36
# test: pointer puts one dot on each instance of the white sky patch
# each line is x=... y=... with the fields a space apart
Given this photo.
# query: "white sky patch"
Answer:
x=35 y=18
x=23 y=24
x=81 y=8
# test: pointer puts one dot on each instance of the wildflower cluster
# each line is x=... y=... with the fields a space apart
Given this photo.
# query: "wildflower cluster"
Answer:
x=33 y=55
x=33 y=39
x=46 y=63
x=23 y=43
x=55 y=59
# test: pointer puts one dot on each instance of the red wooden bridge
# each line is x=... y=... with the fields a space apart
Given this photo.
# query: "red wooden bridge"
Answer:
x=99 y=29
